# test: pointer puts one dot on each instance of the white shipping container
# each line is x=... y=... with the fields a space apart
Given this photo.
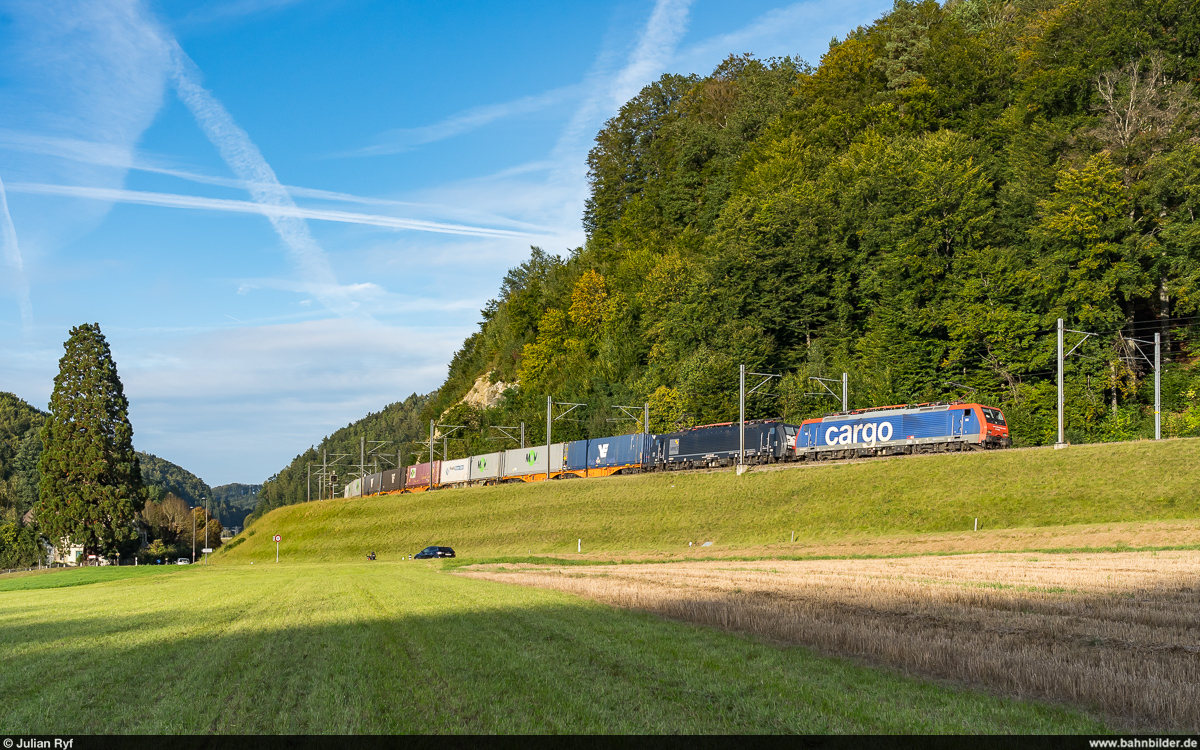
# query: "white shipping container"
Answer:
x=457 y=471
x=354 y=489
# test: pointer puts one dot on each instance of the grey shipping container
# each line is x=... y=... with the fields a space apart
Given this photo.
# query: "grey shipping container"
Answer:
x=486 y=466
x=528 y=461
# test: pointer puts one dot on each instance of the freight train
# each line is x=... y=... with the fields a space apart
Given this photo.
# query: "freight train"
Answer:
x=883 y=431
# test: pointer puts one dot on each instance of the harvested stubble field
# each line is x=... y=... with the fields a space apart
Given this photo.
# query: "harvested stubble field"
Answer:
x=1116 y=633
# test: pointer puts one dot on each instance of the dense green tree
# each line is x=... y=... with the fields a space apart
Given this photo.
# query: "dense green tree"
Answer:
x=19 y=546
x=91 y=484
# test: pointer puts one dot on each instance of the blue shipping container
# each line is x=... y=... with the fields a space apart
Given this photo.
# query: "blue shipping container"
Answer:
x=575 y=455
x=622 y=450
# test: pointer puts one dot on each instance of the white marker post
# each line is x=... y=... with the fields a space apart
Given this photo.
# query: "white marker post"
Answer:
x=278 y=539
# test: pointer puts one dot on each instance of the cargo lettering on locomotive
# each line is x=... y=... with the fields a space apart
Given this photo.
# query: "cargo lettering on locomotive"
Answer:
x=865 y=433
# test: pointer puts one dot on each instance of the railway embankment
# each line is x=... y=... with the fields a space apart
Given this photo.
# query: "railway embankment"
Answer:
x=1139 y=494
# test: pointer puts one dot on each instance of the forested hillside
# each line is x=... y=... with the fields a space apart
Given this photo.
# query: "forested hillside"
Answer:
x=161 y=477
x=917 y=210
x=233 y=502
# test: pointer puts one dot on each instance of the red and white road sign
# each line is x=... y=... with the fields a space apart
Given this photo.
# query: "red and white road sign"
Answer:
x=278 y=538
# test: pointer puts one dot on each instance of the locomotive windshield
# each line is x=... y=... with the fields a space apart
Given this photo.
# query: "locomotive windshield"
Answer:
x=993 y=416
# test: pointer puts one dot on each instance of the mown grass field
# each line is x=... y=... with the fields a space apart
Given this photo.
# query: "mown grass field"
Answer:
x=53 y=579
x=1118 y=482
x=404 y=647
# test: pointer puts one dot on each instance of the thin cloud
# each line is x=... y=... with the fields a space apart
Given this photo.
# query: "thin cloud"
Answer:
x=125 y=159
x=655 y=49
x=229 y=11
x=12 y=258
x=405 y=139
x=247 y=162
x=274 y=212
x=782 y=31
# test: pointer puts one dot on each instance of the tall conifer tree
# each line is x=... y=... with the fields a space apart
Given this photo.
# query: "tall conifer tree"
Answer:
x=91 y=484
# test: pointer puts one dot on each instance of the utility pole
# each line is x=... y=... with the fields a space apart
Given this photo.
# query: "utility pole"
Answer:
x=206 y=530
x=362 y=462
x=431 y=454
x=308 y=495
x=646 y=417
x=550 y=419
x=324 y=470
x=1157 y=386
x=741 y=416
x=742 y=393
x=522 y=436
x=1157 y=378
x=193 y=535
x=823 y=382
x=1060 y=442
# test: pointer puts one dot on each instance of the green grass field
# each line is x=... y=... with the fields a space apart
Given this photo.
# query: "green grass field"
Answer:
x=405 y=647
x=55 y=579
x=1004 y=489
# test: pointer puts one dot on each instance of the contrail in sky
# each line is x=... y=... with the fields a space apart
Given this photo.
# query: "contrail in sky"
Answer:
x=173 y=200
x=12 y=257
x=247 y=162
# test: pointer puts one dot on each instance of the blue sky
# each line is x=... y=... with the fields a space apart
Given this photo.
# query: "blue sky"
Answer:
x=285 y=214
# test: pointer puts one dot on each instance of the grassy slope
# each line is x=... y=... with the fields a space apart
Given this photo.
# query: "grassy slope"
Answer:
x=1042 y=487
x=397 y=647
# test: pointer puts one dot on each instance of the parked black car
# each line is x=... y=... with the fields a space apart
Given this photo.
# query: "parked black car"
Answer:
x=429 y=552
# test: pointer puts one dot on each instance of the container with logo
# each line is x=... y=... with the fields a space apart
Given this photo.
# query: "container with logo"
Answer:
x=530 y=463
x=417 y=477
x=372 y=484
x=486 y=467
x=623 y=453
x=456 y=471
x=392 y=480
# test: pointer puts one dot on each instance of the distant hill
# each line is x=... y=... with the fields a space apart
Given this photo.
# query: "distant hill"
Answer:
x=161 y=476
x=21 y=447
x=233 y=502
x=401 y=424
